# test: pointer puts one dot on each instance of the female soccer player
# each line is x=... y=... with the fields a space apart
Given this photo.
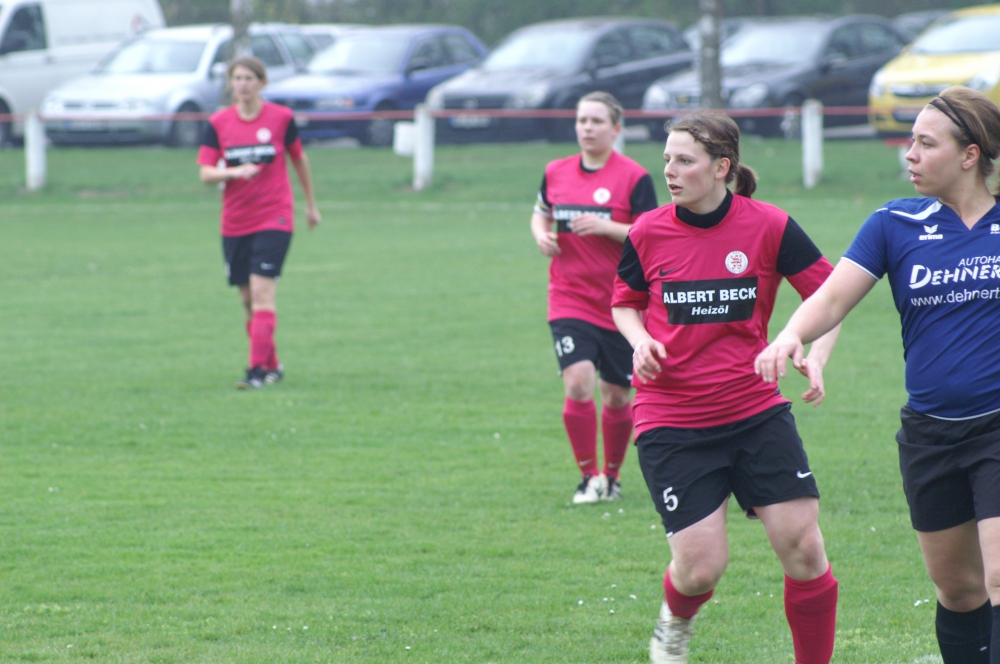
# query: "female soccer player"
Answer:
x=244 y=147
x=694 y=292
x=942 y=256
x=592 y=198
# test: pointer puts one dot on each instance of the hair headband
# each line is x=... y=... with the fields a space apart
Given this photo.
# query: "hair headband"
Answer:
x=954 y=116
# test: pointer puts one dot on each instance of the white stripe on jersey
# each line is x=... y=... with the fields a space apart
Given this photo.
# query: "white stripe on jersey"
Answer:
x=923 y=214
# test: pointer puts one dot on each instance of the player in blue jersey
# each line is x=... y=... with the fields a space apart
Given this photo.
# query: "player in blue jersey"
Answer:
x=942 y=256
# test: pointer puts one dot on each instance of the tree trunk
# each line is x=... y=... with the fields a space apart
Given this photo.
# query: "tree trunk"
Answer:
x=711 y=72
x=241 y=12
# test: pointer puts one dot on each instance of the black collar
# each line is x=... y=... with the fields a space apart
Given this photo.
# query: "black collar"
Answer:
x=705 y=221
x=591 y=170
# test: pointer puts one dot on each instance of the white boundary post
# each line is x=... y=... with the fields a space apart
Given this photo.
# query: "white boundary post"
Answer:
x=423 y=147
x=812 y=143
x=34 y=151
x=619 y=145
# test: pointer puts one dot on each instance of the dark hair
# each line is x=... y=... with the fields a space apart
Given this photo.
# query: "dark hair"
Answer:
x=247 y=62
x=608 y=99
x=976 y=121
x=720 y=137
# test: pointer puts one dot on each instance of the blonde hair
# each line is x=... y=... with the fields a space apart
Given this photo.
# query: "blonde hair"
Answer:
x=247 y=62
x=976 y=121
x=720 y=136
x=614 y=106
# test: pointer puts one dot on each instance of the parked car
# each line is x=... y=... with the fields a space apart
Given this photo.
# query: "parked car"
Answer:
x=960 y=49
x=783 y=62
x=44 y=43
x=913 y=23
x=727 y=28
x=550 y=66
x=376 y=69
x=323 y=35
x=174 y=70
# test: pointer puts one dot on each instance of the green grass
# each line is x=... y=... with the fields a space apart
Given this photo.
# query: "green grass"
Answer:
x=403 y=495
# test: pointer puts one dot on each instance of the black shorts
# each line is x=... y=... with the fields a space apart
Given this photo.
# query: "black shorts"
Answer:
x=951 y=469
x=691 y=472
x=261 y=253
x=577 y=340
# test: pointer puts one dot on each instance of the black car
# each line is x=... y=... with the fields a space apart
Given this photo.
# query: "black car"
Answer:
x=550 y=66
x=783 y=62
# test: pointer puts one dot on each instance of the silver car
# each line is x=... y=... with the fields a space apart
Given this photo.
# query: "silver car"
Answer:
x=128 y=97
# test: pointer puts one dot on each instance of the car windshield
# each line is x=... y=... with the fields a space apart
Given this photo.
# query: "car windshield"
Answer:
x=352 y=56
x=965 y=34
x=538 y=49
x=786 y=43
x=153 y=56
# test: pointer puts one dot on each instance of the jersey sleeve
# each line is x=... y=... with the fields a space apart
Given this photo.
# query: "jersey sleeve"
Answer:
x=542 y=204
x=643 y=198
x=800 y=260
x=631 y=288
x=209 y=153
x=292 y=141
x=869 y=249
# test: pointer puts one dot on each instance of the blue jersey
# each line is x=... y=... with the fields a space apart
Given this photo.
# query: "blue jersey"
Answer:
x=945 y=279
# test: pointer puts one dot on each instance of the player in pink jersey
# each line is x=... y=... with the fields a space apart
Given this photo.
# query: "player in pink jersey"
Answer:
x=244 y=147
x=694 y=292
x=592 y=198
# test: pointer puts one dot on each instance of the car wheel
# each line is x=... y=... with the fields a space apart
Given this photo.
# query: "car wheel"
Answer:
x=378 y=133
x=186 y=133
x=5 y=127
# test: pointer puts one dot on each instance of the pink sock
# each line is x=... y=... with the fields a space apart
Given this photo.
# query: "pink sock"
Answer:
x=261 y=337
x=616 y=427
x=580 y=418
x=811 y=609
x=682 y=606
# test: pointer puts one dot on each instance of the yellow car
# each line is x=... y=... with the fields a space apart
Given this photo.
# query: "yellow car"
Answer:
x=961 y=48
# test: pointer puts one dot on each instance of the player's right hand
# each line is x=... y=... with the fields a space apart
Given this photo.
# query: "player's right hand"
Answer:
x=646 y=359
x=772 y=362
x=548 y=243
x=246 y=171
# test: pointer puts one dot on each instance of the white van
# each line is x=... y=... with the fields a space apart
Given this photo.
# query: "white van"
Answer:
x=46 y=42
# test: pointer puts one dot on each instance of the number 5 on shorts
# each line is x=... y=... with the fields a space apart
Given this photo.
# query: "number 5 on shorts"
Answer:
x=669 y=499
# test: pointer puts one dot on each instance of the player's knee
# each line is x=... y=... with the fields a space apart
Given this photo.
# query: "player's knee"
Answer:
x=699 y=574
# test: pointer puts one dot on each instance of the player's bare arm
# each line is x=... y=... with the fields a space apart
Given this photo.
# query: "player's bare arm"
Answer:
x=648 y=352
x=815 y=317
x=545 y=237
x=591 y=224
x=304 y=173
x=215 y=175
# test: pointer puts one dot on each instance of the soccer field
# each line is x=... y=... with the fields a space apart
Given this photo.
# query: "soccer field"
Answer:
x=403 y=496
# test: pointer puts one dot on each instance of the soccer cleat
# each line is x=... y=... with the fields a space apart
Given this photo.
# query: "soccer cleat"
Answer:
x=272 y=376
x=591 y=489
x=669 y=644
x=254 y=380
x=613 y=490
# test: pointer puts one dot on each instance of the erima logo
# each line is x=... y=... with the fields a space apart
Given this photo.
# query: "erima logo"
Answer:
x=994 y=229
x=932 y=233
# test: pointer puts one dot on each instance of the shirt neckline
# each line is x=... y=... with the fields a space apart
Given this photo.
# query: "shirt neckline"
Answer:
x=708 y=220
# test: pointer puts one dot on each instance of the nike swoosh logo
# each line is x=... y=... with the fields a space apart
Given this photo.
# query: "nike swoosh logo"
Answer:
x=664 y=273
x=267 y=266
x=799 y=474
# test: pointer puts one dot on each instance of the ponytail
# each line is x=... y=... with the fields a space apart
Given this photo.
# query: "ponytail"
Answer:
x=746 y=180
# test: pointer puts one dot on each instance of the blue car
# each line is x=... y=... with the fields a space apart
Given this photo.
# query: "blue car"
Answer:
x=376 y=69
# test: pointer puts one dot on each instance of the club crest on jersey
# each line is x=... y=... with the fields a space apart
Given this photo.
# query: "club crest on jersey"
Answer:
x=931 y=233
x=263 y=135
x=737 y=262
x=602 y=196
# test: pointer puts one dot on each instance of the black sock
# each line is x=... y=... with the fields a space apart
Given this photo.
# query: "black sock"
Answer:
x=964 y=638
x=995 y=643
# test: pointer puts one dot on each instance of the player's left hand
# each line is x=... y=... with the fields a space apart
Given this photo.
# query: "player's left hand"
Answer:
x=812 y=370
x=589 y=224
x=313 y=217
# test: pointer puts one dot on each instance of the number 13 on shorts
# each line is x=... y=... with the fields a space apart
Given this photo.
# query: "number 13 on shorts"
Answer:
x=669 y=500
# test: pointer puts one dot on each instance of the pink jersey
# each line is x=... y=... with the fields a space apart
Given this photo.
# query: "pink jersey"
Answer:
x=581 y=278
x=708 y=293
x=265 y=202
